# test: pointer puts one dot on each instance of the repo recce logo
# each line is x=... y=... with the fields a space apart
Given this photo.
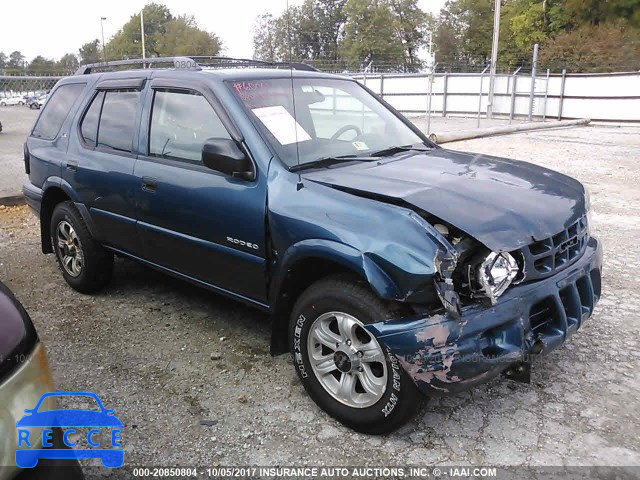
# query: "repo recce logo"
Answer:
x=30 y=449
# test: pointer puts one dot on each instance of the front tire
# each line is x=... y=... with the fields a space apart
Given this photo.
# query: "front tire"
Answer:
x=345 y=369
x=85 y=265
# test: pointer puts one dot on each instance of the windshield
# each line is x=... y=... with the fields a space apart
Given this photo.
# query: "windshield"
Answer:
x=332 y=118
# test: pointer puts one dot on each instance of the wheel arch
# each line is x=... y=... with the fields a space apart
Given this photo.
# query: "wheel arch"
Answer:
x=309 y=261
x=56 y=192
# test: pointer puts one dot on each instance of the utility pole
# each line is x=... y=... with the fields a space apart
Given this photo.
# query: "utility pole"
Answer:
x=142 y=32
x=494 y=57
x=104 y=55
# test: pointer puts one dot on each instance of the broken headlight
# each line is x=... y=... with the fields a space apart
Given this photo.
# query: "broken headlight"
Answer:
x=496 y=273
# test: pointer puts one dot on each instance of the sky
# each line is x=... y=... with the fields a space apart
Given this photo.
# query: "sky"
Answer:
x=54 y=28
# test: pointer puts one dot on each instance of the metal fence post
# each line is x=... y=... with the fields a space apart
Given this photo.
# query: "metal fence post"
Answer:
x=480 y=95
x=562 y=84
x=513 y=94
x=534 y=69
x=382 y=86
x=546 y=97
x=444 y=94
x=430 y=94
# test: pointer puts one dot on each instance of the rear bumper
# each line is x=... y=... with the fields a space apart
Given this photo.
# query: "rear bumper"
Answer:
x=444 y=355
x=33 y=195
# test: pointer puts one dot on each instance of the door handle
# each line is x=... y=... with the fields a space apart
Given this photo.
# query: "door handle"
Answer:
x=71 y=165
x=149 y=184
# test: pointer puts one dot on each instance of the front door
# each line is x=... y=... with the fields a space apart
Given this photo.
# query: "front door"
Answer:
x=193 y=220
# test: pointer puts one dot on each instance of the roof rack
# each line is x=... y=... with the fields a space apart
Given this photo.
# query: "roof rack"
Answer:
x=193 y=63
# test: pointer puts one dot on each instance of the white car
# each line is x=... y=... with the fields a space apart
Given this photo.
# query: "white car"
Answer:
x=4 y=101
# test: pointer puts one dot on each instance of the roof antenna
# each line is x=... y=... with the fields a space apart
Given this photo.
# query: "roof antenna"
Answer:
x=299 y=185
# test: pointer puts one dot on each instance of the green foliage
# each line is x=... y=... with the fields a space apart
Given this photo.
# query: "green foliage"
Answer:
x=412 y=27
x=127 y=42
x=90 y=52
x=183 y=37
x=335 y=33
x=561 y=27
x=40 y=66
x=164 y=34
x=464 y=32
x=370 y=35
x=68 y=64
x=605 y=47
x=16 y=60
x=265 y=46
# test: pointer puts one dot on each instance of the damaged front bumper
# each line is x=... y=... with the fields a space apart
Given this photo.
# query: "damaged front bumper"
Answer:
x=446 y=355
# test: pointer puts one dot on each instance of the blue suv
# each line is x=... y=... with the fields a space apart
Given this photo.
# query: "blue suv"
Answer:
x=390 y=266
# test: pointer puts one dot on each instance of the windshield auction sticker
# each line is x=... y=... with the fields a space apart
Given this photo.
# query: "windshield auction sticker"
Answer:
x=281 y=124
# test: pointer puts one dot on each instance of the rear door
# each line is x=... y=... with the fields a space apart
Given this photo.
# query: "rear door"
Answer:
x=191 y=219
x=100 y=167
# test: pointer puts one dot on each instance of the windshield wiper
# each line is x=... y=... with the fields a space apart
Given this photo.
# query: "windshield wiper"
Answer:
x=328 y=161
x=399 y=148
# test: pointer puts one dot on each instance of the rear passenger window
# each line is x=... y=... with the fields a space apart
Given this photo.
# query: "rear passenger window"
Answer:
x=90 y=122
x=181 y=122
x=56 y=110
x=117 y=121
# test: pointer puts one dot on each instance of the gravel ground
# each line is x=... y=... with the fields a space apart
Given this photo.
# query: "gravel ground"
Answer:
x=168 y=356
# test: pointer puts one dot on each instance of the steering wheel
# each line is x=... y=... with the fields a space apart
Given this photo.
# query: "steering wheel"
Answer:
x=344 y=129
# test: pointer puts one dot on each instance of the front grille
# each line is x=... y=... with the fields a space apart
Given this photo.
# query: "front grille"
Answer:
x=553 y=254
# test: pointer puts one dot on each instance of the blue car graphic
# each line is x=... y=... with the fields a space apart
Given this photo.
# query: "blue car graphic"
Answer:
x=65 y=418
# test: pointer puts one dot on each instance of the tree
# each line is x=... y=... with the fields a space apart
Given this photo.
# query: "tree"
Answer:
x=605 y=47
x=16 y=60
x=164 y=35
x=127 y=42
x=370 y=35
x=265 y=46
x=326 y=20
x=183 y=37
x=411 y=25
x=40 y=66
x=90 y=52
x=3 y=60
x=464 y=33
x=68 y=64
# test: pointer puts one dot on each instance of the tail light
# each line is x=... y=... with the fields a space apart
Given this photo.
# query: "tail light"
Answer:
x=27 y=165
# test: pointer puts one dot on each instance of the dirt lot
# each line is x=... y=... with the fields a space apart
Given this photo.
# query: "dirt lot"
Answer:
x=16 y=122
x=166 y=355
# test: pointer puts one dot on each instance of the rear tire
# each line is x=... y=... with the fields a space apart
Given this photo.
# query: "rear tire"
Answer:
x=365 y=387
x=85 y=265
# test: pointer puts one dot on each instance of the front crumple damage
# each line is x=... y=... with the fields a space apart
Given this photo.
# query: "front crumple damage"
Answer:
x=444 y=355
x=398 y=252
x=490 y=199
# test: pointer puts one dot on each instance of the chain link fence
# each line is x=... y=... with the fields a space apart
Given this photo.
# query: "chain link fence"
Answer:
x=444 y=91
x=24 y=86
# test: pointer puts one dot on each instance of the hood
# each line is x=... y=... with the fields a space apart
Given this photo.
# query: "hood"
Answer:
x=505 y=204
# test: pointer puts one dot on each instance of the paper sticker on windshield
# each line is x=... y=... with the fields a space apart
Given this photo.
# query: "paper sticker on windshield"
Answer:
x=360 y=145
x=281 y=124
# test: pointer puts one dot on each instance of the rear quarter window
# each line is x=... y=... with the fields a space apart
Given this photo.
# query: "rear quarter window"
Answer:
x=56 y=109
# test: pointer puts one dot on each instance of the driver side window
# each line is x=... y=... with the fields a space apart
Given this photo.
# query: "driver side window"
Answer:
x=181 y=122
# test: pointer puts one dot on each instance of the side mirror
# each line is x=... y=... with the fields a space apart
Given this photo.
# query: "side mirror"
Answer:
x=223 y=155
